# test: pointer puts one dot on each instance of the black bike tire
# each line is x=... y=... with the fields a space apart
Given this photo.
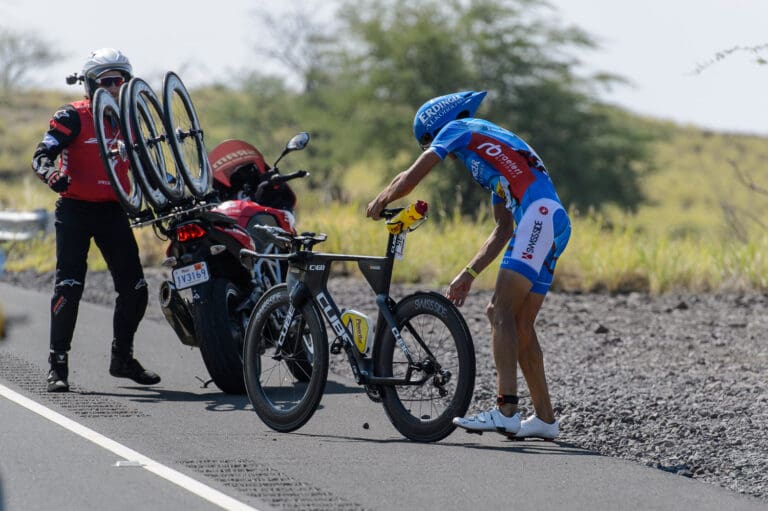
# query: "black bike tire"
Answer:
x=181 y=125
x=288 y=419
x=142 y=104
x=104 y=104
x=153 y=195
x=439 y=308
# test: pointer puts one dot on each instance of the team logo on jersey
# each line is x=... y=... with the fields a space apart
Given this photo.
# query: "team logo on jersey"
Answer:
x=533 y=240
x=543 y=210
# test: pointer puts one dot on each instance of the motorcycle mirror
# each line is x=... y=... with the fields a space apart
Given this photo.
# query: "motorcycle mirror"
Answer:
x=297 y=143
x=73 y=78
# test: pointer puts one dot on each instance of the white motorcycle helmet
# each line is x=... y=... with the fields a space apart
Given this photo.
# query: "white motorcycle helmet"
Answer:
x=101 y=61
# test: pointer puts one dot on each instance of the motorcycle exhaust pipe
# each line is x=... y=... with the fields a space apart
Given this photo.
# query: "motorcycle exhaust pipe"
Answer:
x=177 y=314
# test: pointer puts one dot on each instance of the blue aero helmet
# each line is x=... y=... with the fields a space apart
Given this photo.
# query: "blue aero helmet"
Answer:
x=437 y=112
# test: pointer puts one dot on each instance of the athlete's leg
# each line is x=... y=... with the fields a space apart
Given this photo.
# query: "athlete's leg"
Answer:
x=531 y=358
x=509 y=296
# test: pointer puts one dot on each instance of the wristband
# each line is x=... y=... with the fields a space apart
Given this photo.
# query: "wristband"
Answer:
x=471 y=271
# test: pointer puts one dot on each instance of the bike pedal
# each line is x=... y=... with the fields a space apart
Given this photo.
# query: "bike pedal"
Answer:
x=336 y=347
x=472 y=432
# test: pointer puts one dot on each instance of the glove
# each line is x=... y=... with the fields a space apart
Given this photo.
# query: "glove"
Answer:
x=57 y=181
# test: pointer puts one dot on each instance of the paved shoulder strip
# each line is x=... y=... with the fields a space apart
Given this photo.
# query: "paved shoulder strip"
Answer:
x=129 y=455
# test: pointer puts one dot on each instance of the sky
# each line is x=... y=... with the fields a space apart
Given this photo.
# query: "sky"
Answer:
x=657 y=45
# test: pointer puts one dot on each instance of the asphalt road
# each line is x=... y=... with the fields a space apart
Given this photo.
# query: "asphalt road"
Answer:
x=110 y=444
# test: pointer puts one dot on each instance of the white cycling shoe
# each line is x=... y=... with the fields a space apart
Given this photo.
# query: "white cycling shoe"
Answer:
x=491 y=420
x=533 y=427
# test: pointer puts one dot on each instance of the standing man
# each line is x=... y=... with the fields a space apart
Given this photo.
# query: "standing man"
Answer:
x=88 y=208
x=530 y=222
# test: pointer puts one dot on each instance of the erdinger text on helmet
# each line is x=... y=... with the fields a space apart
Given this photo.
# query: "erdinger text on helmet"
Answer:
x=437 y=112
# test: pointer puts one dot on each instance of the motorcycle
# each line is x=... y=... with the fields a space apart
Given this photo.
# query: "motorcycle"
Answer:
x=211 y=294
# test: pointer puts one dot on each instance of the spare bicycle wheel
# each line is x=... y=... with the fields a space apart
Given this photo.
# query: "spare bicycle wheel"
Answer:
x=148 y=183
x=145 y=114
x=186 y=136
x=106 y=121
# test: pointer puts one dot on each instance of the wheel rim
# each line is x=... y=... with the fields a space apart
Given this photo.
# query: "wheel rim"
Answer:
x=186 y=139
x=280 y=387
x=152 y=193
x=151 y=141
x=113 y=152
x=431 y=400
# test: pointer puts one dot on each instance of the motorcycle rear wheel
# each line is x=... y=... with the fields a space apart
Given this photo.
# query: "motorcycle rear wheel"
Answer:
x=220 y=334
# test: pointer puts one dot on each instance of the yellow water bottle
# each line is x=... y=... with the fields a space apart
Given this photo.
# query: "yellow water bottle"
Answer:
x=407 y=217
x=362 y=330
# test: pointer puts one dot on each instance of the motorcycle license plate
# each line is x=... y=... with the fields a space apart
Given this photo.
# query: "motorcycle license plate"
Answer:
x=190 y=275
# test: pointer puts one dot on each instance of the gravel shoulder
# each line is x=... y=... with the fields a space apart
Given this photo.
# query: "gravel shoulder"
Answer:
x=676 y=382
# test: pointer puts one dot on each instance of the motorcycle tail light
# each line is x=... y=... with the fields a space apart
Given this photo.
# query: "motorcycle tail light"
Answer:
x=189 y=232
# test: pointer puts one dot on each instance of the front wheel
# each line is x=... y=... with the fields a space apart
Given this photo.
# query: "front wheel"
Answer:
x=442 y=355
x=285 y=360
x=220 y=335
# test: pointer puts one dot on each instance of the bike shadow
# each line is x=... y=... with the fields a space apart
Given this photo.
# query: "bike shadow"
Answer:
x=215 y=401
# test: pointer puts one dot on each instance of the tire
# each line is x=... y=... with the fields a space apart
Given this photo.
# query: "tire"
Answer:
x=283 y=401
x=420 y=412
x=114 y=156
x=145 y=114
x=186 y=136
x=220 y=334
x=148 y=183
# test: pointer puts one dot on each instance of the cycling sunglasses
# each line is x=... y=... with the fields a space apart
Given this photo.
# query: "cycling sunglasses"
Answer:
x=110 y=81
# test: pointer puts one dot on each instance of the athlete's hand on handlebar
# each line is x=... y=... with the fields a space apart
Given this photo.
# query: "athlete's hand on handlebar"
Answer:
x=374 y=209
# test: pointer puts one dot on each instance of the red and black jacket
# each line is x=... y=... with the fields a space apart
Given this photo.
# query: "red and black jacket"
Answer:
x=72 y=137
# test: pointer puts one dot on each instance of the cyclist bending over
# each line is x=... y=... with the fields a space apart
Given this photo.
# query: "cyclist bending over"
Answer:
x=527 y=210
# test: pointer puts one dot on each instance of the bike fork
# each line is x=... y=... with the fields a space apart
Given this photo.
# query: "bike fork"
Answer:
x=286 y=326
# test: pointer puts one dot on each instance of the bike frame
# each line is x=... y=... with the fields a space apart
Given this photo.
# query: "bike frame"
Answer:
x=307 y=280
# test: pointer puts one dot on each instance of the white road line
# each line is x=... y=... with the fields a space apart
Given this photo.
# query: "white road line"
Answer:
x=210 y=494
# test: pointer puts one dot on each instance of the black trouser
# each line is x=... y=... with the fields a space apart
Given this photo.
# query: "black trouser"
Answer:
x=76 y=223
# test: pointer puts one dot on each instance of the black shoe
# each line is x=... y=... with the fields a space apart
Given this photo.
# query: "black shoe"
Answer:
x=131 y=368
x=57 y=376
